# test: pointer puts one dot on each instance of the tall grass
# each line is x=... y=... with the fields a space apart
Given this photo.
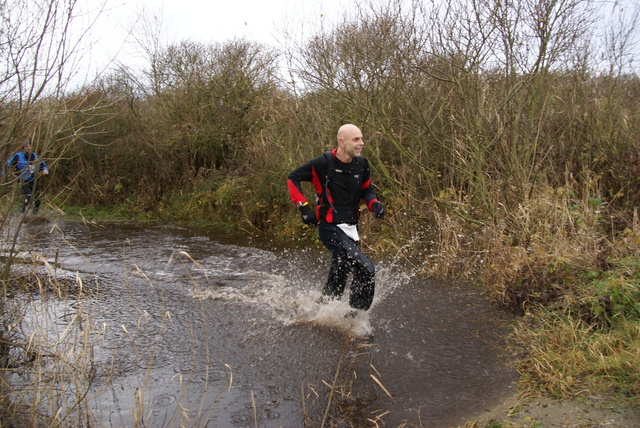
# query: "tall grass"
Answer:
x=588 y=339
x=47 y=368
x=572 y=272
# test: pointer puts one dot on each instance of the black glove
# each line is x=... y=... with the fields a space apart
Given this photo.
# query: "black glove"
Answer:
x=308 y=216
x=378 y=209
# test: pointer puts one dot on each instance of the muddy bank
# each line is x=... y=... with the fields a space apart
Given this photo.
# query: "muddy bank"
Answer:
x=541 y=411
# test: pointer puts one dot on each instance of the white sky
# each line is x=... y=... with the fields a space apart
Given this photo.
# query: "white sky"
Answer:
x=202 y=21
x=207 y=21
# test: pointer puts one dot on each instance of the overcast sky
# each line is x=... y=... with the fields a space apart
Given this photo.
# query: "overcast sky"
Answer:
x=201 y=20
x=208 y=21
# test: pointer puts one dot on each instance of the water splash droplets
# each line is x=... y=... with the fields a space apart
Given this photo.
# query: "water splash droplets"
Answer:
x=336 y=314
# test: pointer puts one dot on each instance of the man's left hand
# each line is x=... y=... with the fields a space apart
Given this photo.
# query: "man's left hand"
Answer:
x=378 y=209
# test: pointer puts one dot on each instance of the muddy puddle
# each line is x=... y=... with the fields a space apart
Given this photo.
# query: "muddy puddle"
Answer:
x=192 y=327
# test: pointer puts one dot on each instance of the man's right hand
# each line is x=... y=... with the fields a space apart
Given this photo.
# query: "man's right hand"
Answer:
x=308 y=216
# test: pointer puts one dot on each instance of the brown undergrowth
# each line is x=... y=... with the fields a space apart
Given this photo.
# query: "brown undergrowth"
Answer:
x=571 y=267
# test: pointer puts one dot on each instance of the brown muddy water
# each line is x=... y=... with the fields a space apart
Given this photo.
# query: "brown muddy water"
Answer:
x=191 y=327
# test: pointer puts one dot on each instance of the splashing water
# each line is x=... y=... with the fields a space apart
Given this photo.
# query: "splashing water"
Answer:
x=291 y=304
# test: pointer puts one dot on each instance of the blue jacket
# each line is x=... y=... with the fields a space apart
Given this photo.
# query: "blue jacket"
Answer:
x=25 y=167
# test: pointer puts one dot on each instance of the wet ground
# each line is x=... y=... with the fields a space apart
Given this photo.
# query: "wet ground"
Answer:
x=201 y=328
x=582 y=411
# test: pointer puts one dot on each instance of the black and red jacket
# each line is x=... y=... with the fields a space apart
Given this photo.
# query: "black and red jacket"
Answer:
x=340 y=187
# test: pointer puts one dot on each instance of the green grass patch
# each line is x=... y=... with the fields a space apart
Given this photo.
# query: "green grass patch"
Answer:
x=590 y=341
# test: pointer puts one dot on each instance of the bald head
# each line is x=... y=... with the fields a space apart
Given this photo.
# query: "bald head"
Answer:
x=346 y=130
x=349 y=142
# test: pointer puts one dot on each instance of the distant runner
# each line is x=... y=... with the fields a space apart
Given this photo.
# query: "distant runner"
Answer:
x=26 y=166
x=341 y=181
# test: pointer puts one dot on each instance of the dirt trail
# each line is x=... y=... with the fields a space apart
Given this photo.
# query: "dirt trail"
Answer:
x=541 y=412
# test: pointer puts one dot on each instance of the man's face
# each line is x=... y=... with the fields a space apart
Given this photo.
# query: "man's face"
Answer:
x=353 y=142
x=26 y=149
